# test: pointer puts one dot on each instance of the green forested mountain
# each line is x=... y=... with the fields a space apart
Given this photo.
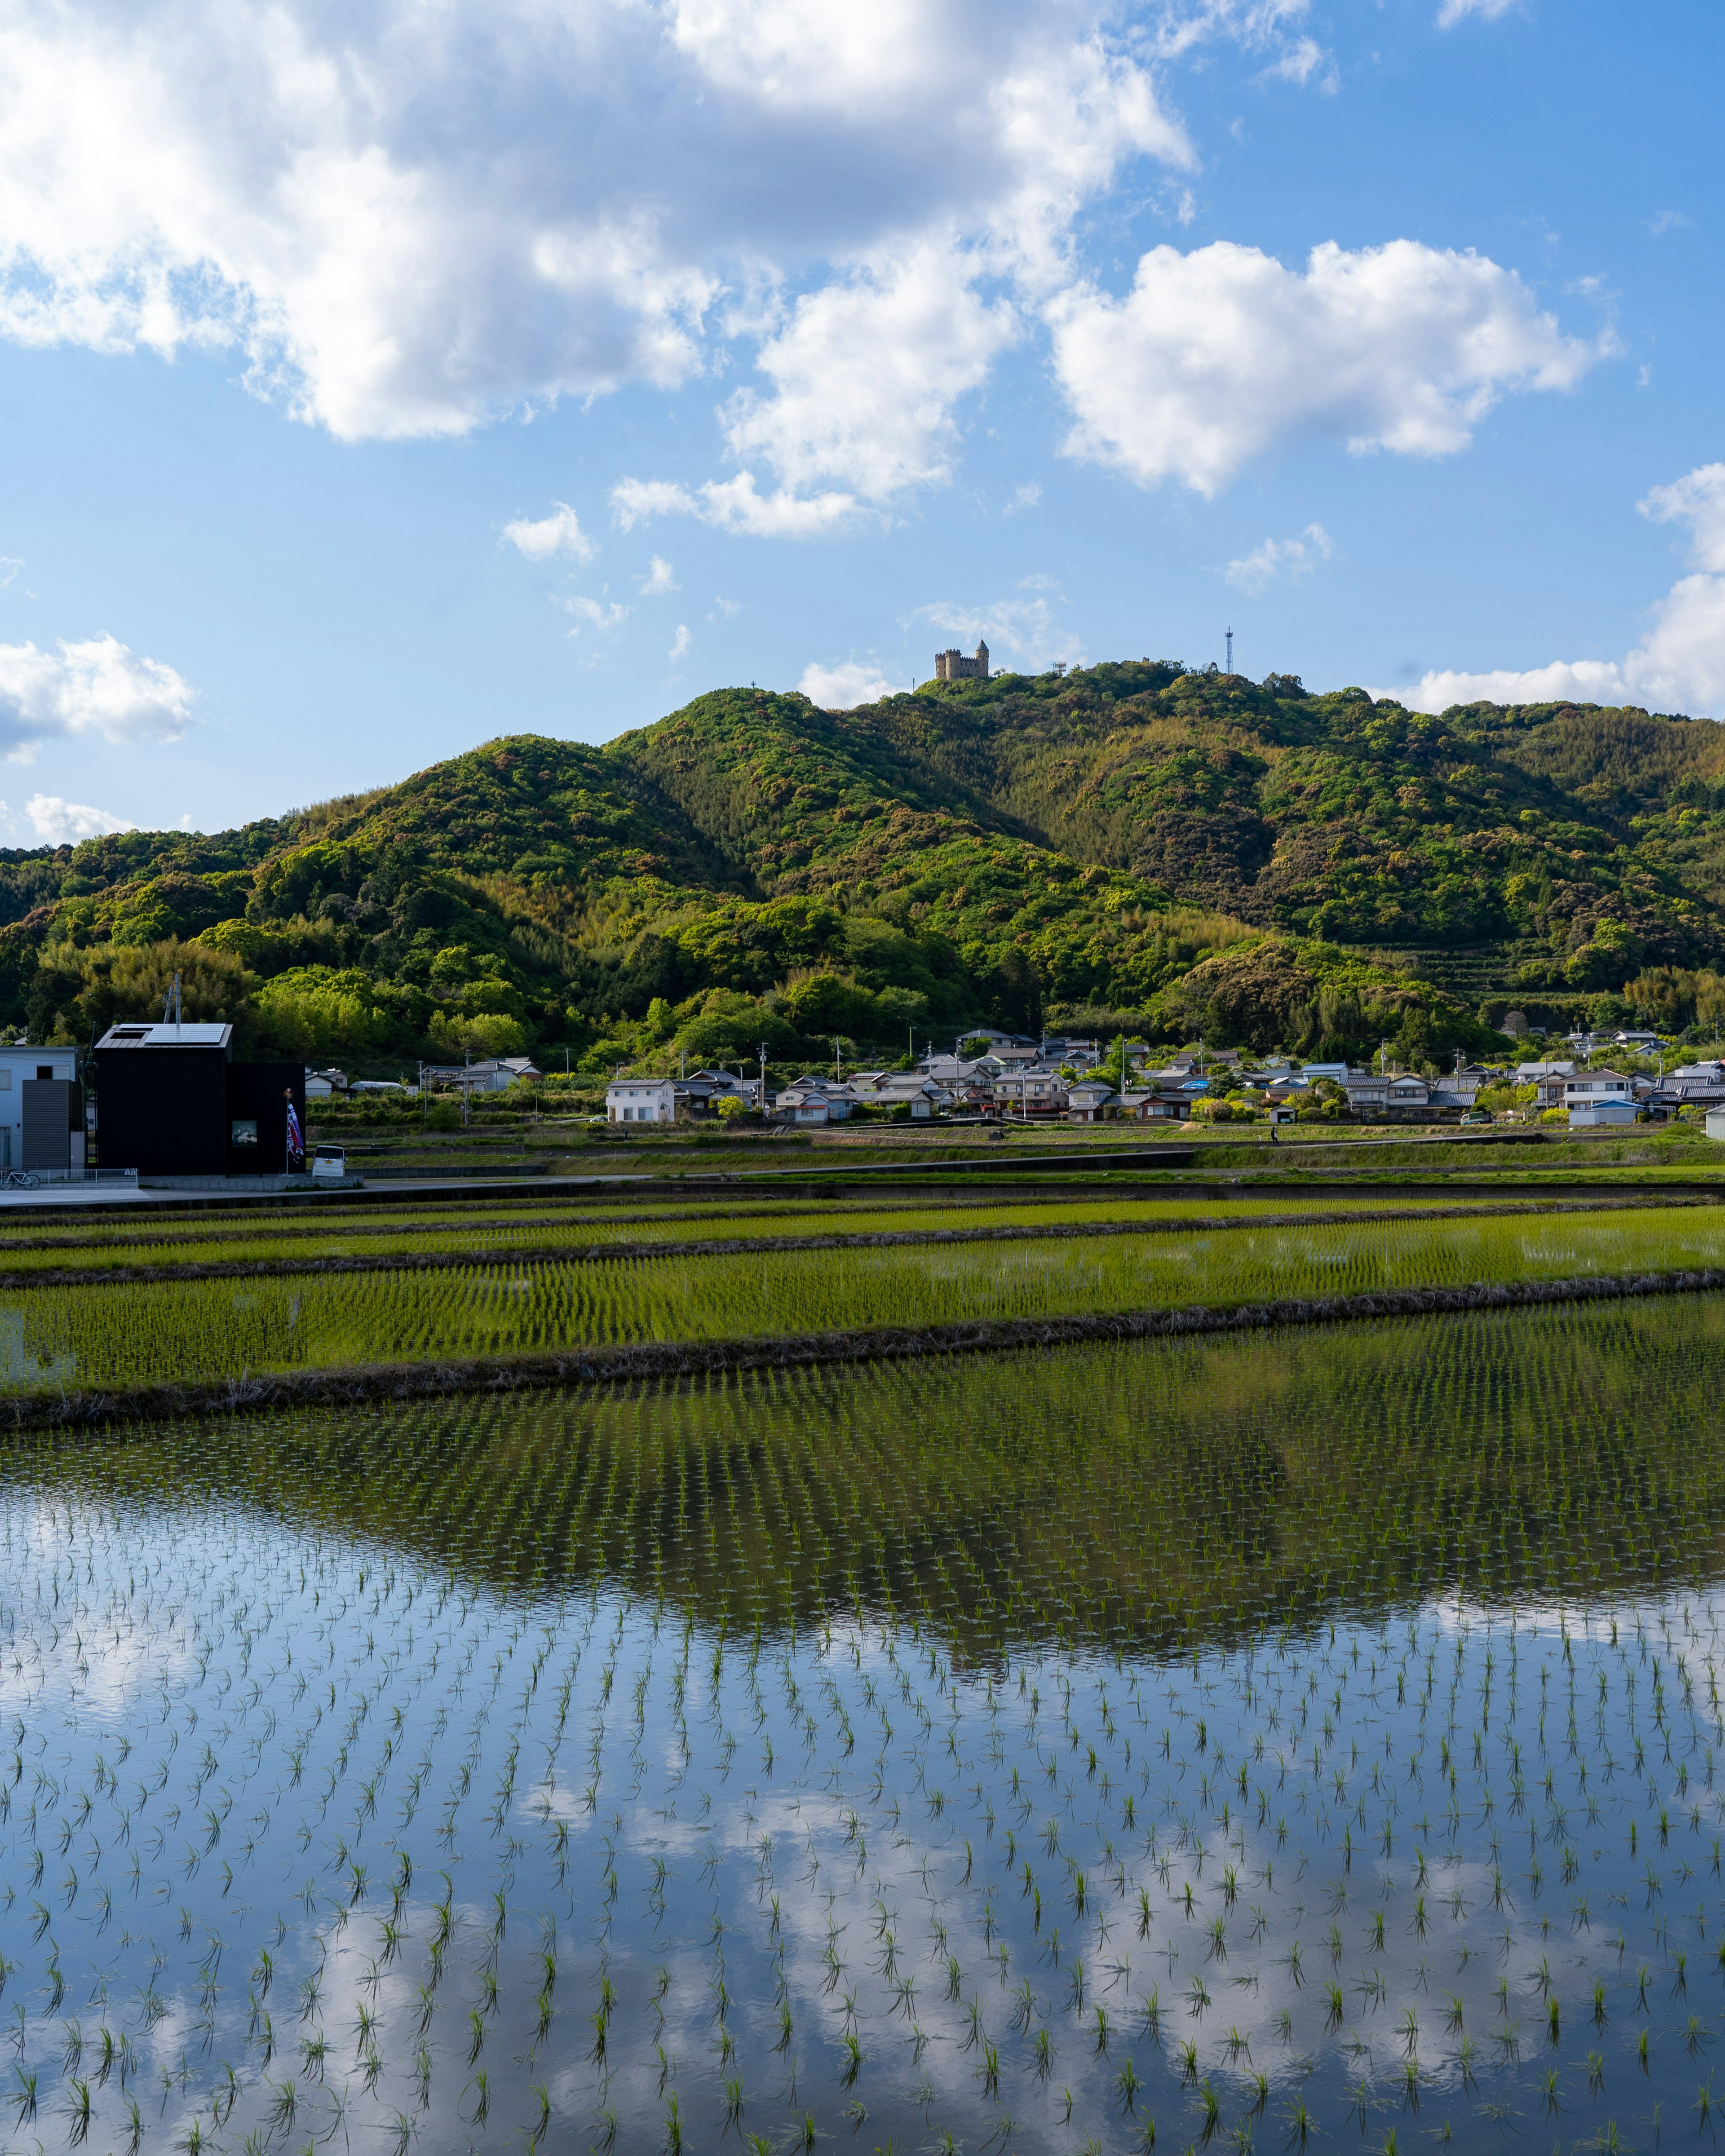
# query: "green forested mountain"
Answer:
x=1129 y=843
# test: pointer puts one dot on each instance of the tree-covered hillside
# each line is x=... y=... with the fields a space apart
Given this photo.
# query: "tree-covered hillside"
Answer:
x=1130 y=842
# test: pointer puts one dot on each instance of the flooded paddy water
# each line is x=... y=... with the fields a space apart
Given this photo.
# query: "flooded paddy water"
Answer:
x=1290 y=1740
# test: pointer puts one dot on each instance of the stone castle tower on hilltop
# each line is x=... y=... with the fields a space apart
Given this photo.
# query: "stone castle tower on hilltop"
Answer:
x=954 y=666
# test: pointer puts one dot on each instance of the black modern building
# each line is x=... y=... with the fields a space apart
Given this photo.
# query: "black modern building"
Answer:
x=170 y=1101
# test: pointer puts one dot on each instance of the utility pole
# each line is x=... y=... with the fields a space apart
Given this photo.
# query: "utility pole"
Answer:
x=761 y=1052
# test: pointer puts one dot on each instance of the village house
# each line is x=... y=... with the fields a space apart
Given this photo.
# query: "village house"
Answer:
x=1548 y=1080
x=1026 y=1093
x=1154 y=1107
x=495 y=1075
x=641 y=1101
x=1091 y=1100
x=813 y=1100
x=888 y=1089
x=1597 y=1099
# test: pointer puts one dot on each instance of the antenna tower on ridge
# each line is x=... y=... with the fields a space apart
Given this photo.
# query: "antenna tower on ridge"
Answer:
x=1230 y=667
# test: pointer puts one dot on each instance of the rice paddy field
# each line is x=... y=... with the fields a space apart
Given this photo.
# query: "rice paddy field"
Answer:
x=1303 y=1740
x=531 y=1288
x=1308 y=1737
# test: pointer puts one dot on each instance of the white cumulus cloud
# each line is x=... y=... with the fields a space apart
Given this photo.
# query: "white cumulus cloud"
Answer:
x=408 y=219
x=839 y=688
x=660 y=578
x=1455 y=10
x=1023 y=627
x=98 y=686
x=865 y=373
x=1215 y=356
x=542 y=538
x=735 y=504
x=597 y=613
x=1281 y=557
x=58 y=822
x=1679 y=665
x=680 y=643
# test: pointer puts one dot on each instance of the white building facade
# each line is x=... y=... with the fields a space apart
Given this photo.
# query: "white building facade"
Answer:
x=41 y=1108
x=641 y=1101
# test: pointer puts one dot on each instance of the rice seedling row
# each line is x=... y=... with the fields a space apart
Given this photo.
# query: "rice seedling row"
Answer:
x=462 y=1230
x=845 y=1233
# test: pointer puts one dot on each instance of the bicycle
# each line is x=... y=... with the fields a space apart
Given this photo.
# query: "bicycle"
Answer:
x=19 y=1179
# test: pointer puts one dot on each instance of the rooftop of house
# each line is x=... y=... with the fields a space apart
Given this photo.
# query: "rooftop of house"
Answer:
x=199 y=1035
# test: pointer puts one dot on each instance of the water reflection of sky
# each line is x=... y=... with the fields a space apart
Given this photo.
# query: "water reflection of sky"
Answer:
x=303 y=1839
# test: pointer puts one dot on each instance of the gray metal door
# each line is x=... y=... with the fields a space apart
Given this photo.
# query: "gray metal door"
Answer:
x=47 y=1122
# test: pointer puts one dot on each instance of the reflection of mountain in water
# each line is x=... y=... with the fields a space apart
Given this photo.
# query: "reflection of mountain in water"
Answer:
x=21 y=1366
x=1160 y=1494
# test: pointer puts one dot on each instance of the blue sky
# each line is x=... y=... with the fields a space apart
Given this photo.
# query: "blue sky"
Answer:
x=377 y=378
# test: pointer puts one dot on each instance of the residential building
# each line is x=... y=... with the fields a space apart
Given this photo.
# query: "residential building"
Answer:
x=955 y=1070
x=641 y=1101
x=494 y=1075
x=900 y=1089
x=41 y=1108
x=324 y=1085
x=802 y=1105
x=1154 y=1107
x=1597 y=1098
x=1035 y=1092
x=1091 y=1100
x=1692 y=1088
x=1548 y=1080
x=799 y=1101
x=170 y=1103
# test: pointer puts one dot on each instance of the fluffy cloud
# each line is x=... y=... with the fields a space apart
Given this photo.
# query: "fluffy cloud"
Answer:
x=1679 y=666
x=597 y=613
x=1454 y=11
x=735 y=504
x=97 y=687
x=408 y=219
x=680 y=644
x=542 y=539
x=1023 y=628
x=58 y=822
x=1215 y=356
x=865 y=374
x=660 y=578
x=839 y=688
x=1280 y=557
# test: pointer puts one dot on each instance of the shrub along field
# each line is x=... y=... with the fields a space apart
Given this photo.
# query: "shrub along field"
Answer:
x=1302 y=1741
